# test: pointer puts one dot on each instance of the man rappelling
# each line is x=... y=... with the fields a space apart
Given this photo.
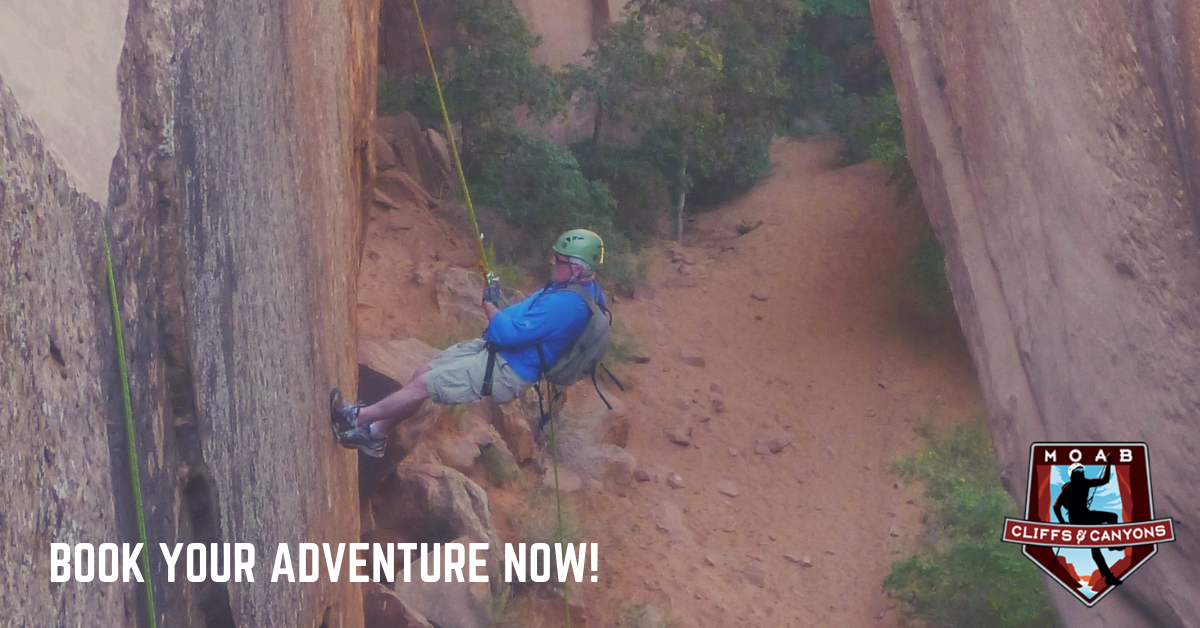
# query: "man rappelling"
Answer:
x=1076 y=497
x=523 y=343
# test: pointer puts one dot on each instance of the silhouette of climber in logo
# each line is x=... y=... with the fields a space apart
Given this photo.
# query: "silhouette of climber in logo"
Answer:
x=1076 y=497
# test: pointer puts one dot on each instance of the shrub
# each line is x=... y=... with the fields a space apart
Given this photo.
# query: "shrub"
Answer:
x=870 y=126
x=538 y=186
x=965 y=575
x=624 y=346
x=538 y=523
x=623 y=271
x=925 y=276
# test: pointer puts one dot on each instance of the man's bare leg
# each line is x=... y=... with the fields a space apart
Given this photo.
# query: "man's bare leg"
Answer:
x=385 y=415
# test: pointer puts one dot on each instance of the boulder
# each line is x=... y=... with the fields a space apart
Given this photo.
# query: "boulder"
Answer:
x=432 y=503
x=397 y=359
x=459 y=291
x=413 y=153
x=458 y=604
x=512 y=421
x=385 y=157
x=382 y=608
x=614 y=464
x=396 y=185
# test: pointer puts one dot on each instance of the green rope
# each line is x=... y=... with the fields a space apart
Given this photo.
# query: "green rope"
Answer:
x=558 y=497
x=130 y=436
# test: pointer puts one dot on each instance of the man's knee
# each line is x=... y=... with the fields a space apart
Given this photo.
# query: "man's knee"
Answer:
x=419 y=375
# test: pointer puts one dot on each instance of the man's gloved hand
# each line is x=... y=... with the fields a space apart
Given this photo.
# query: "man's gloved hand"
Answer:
x=491 y=292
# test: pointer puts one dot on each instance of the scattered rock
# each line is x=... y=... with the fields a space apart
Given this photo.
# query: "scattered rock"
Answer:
x=691 y=356
x=678 y=254
x=772 y=444
x=643 y=291
x=746 y=226
x=728 y=488
x=712 y=560
x=718 y=402
x=893 y=532
x=668 y=517
x=734 y=452
x=641 y=475
x=754 y=575
x=806 y=562
x=616 y=463
x=761 y=294
x=684 y=270
x=568 y=480
x=675 y=481
x=679 y=434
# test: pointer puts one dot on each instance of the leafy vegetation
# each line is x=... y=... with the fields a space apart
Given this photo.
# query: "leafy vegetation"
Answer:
x=538 y=186
x=965 y=575
x=701 y=86
x=926 y=273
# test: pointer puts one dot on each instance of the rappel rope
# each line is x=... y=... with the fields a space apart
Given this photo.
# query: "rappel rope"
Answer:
x=130 y=436
x=488 y=277
x=462 y=179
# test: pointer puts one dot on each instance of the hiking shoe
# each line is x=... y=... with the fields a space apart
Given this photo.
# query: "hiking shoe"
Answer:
x=342 y=414
x=360 y=438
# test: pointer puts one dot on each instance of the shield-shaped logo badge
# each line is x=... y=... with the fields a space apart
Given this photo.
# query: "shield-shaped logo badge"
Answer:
x=1089 y=515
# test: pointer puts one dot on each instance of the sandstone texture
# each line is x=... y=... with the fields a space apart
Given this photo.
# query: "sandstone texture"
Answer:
x=234 y=211
x=1055 y=148
x=57 y=356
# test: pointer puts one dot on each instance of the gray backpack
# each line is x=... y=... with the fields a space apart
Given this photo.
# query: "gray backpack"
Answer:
x=583 y=356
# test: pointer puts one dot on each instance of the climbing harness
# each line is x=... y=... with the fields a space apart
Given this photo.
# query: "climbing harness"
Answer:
x=130 y=436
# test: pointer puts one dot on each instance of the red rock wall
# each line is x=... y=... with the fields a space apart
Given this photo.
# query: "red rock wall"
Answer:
x=235 y=206
x=1054 y=147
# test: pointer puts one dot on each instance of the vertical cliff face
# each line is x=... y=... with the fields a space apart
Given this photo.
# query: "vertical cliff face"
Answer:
x=1056 y=157
x=57 y=395
x=234 y=212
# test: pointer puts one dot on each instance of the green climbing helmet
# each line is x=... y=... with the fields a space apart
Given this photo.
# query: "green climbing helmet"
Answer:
x=581 y=243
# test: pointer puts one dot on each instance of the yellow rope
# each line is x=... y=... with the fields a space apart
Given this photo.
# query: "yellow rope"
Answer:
x=487 y=275
x=462 y=179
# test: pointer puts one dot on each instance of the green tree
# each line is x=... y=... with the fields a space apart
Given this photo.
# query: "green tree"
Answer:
x=485 y=76
x=699 y=81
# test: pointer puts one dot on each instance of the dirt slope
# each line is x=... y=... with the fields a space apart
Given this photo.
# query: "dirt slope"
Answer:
x=833 y=358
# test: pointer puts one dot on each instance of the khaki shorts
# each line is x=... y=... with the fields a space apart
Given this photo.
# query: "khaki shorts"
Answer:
x=456 y=375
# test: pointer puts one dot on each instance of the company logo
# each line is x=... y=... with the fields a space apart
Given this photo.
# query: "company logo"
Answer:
x=1089 y=515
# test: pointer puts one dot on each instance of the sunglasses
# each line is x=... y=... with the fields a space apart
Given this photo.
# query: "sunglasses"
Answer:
x=561 y=259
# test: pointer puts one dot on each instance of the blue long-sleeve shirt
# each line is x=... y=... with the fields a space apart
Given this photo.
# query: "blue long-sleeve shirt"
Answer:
x=552 y=317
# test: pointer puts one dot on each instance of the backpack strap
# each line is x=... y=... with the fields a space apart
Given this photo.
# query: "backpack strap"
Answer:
x=490 y=371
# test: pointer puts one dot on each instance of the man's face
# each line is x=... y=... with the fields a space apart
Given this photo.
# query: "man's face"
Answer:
x=561 y=268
